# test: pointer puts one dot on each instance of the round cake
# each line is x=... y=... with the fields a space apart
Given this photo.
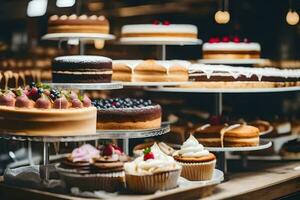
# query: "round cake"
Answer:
x=209 y=134
x=230 y=48
x=158 y=30
x=81 y=69
x=41 y=111
x=78 y=24
x=116 y=114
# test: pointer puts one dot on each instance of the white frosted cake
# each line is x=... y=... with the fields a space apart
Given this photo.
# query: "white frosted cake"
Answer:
x=227 y=48
x=150 y=70
x=174 y=32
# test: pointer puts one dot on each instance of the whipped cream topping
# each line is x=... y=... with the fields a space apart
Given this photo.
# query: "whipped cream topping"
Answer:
x=231 y=46
x=160 y=163
x=83 y=59
x=85 y=153
x=192 y=148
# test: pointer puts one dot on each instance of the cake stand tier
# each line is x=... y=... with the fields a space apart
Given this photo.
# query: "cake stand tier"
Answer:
x=262 y=145
x=101 y=134
x=159 y=41
x=232 y=61
x=79 y=36
x=88 y=86
x=224 y=90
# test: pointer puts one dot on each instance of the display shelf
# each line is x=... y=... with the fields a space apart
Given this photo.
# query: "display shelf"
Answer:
x=88 y=86
x=232 y=61
x=79 y=36
x=224 y=90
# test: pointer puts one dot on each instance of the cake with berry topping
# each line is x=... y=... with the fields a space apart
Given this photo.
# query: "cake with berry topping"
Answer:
x=81 y=69
x=150 y=70
x=158 y=31
x=117 y=113
x=230 y=48
x=78 y=24
x=39 y=110
x=90 y=168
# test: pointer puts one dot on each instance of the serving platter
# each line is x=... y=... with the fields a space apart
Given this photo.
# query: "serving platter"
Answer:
x=79 y=36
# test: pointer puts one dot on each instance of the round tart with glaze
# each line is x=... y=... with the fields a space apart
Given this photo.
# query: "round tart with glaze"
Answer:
x=197 y=163
x=117 y=113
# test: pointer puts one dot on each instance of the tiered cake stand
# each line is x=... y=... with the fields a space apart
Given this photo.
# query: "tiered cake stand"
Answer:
x=264 y=144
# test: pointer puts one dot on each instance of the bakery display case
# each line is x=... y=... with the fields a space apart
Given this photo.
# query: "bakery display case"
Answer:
x=149 y=100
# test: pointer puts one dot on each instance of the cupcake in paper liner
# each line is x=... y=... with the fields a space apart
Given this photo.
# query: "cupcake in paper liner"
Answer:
x=101 y=171
x=197 y=163
x=151 y=172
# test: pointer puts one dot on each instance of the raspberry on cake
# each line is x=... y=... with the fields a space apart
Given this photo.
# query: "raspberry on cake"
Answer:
x=82 y=69
x=117 y=113
x=173 y=32
x=78 y=24
x=44 y=111
x=230 y=48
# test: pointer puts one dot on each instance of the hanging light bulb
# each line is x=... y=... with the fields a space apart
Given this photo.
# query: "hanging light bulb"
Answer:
x=37 y=8
x=223 y=16
x=65 y=3
x=292 y=17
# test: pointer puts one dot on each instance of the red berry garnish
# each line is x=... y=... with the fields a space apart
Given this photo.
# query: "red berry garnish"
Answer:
x=215 y=120
x=246 y=40
x=236 y=39
x=217 y=40
x=148 y=154
x=166 y=23
x=225 y=39
x=211 y=40
x=34 y=94
x=108 y=150
x=156 y=22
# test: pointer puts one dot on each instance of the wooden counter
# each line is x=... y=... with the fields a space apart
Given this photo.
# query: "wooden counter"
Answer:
x=264 y=180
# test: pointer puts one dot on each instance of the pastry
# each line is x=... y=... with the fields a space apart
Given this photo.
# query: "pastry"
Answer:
x=40 y=110
x=150 y=70
x=117 y=113
x=291 y=149
x=197 y=163
x=165 y=148
x=91 y=169
x=151 y=172
x=230 y=48
x=239 y=135
x=78 y=24
x=209 y=134
x=158 y=31
x=262 y=125
x=81 y=69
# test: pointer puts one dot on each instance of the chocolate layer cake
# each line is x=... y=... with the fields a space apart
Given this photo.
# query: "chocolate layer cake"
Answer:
x=127 y=113
x=81 y=69
x=78 y=24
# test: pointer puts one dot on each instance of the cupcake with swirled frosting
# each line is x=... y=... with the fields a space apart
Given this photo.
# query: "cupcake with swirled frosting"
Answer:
x=197 y=163
x=152 y=171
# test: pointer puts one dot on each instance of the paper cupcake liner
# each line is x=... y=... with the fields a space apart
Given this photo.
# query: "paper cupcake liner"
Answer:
x=152 y=183
x=198 y=171
x=109 y=182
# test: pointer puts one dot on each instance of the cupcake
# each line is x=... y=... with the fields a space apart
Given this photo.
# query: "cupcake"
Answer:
x=90 y=169
x=165 y=148
x=197 y=163
x=151 y=172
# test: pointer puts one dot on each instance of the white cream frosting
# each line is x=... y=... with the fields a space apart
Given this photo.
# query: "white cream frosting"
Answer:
x=160 y=163
x=231 y=46
x=160 y=28
x=82 y=59
x=192 y=148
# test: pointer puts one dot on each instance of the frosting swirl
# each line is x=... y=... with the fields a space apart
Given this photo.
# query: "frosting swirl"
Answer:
x=192 y=148
x=85 y=153
x=160 y=163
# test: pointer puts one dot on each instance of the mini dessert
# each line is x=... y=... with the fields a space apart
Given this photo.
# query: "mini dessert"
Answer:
x=240 y=135
x=165 y=148
x=78 y=24
x=159 y=31
x=40 y=110
x=150 y=70
x=224 y=76
x=281 y=128
x=262 y=125
x=197 y=163
x=81 y=69
x=116 y=114
x=90 y=169
x=230 y=48
x=291 y=149
x=152 y=172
